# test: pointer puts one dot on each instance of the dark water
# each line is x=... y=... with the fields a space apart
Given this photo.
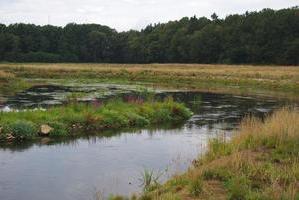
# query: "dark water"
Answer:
x=81 y=168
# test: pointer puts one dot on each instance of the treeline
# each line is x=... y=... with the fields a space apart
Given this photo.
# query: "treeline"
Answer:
x=265 y=37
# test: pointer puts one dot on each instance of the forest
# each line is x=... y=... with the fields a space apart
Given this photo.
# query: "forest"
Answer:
x=261 y=37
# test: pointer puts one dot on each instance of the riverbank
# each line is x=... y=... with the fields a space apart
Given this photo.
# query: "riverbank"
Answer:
x=259 y=162
x=278 y=81
x=73 y=118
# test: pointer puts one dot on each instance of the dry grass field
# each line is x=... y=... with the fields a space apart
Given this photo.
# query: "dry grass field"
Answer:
x=243 y=79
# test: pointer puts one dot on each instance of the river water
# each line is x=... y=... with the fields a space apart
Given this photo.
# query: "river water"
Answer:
x=113 y=162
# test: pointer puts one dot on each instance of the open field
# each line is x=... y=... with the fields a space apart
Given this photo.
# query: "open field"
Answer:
x=277 y=81
x=260 y=162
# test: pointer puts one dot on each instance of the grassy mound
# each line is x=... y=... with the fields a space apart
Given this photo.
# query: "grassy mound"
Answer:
x=64 y=120
x=260 y=162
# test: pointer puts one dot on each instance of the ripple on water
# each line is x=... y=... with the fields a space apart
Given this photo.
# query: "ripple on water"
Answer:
x=80 y=167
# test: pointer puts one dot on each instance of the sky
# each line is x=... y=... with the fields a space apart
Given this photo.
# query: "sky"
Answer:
x=124 y=15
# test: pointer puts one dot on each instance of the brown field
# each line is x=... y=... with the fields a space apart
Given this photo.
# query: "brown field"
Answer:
x=242 y=79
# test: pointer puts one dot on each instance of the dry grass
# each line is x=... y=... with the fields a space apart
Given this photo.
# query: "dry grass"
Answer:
x=272 y=80
x=260 y=162
x=244 y=71
x=5 y=75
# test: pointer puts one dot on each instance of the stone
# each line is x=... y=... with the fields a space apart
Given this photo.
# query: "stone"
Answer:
x=45 y=130
x=10 y=137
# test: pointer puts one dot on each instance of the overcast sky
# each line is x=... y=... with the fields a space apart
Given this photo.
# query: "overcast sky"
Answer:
x=125 y=14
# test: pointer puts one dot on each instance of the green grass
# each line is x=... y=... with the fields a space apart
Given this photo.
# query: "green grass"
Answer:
x=66 y=120
x=261 y=161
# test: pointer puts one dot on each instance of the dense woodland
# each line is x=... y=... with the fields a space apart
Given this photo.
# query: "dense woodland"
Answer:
x=265 y=37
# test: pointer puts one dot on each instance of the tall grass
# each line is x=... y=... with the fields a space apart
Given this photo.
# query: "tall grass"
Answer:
x=9 y=84
x=261 y=161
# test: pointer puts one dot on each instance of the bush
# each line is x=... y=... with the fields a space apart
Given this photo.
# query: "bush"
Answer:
x=22 y=129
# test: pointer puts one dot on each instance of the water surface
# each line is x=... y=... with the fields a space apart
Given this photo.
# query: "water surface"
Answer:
x=80 y=168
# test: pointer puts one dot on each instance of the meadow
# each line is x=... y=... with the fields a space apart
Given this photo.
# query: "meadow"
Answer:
x=278 y=81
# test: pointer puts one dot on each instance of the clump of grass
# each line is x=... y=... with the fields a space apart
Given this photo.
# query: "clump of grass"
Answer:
x=149 y=180
x=196 y=186
x=22 y=129
x=112 y=115
x=259 y=162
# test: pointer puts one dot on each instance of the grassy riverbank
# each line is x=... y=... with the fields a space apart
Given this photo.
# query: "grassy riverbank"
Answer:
x=267 y=80
x=260 y=162
x=66 y=120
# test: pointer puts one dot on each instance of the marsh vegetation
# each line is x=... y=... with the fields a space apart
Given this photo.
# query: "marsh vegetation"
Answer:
x=259 y=162
x=262 y=80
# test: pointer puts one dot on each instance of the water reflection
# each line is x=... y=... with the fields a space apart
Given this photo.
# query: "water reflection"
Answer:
x=111 y=162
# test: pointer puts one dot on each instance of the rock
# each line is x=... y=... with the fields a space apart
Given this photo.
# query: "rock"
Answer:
x=10 y=137
x=45 y=130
